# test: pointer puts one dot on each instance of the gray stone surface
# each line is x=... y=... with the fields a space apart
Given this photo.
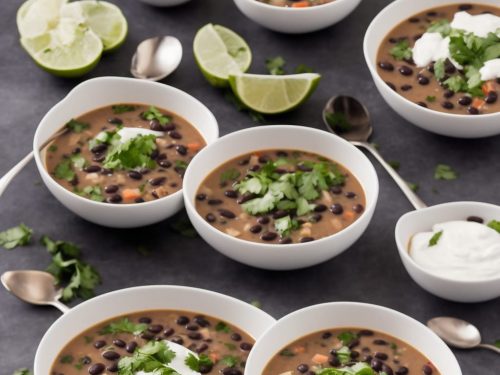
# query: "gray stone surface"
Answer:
x=370 y=271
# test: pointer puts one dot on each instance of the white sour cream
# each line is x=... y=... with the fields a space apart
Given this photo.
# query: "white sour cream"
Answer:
x=480 y=25
x=127 y=134
x=466 y=251
x=490 y=70
x=432 y=47
x=178 y=363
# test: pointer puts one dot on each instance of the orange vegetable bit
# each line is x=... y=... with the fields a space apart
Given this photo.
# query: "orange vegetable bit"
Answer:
x=477 y=103
x=319 y=359
x=301 y=4
x=214 y=357
x=488 y=87
x=194 y=147
x=349 y=215
x=299 y=349
x=130 y=195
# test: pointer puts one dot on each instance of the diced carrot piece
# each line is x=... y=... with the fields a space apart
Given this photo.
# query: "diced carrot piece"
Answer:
x=299 y=349
x=195 y=146
x=214 y=357
x=301 y=4
x=319 y=359
x=488 y=87
x=477 y=103
x=131 y=194
x=349 y=215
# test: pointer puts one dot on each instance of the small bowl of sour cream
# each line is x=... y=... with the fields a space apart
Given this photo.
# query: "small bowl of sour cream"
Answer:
x=452 y=250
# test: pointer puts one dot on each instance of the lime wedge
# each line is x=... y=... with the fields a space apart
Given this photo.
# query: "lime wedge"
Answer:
x=105 y=19
x=69 y=50
x=220 y=52
x=36 y=17
x=270 y=94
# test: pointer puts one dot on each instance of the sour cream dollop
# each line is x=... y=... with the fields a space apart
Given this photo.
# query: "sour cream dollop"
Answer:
x=490 y=70
x=480 y=25
x=127 y=134
x=465 y=251
x=432 y=47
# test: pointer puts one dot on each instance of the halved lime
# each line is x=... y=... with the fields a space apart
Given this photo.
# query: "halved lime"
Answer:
x=69 y=50
x=270 y=94
x=220 y=52
x=105 y=19
x=37 y=17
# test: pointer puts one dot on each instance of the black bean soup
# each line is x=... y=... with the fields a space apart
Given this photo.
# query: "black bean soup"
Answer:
x=124 y=153
x=104 y=348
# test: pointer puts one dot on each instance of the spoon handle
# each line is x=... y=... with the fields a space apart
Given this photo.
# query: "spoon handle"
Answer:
x=490 y=347
x=60 y=306
x=7 y=178
x=410 y=194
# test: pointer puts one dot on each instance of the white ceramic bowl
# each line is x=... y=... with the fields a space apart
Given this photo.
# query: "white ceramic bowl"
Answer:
x=297 y=20
x=99 y=92
x=423 y=221
x=243 y=315
x=165 y=3
x=461 y=126
x=275 y=256
x=350 y=314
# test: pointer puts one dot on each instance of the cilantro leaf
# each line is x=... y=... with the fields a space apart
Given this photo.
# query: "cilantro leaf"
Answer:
x=360 y=368
x=154 y=357
x=338 y=122
x=497 y=343
x=229 y=175
x=91 y=192
x=230 y=360
x=222 y=327
x=304 y=207
x=16 y=236
x=184 y=227
x=302 y=68
x=195 y=363
x=285 y=225
x=107 y=137
x=123 y=326
x=77 y=126
x=64 y=171
x=430 y=98
x=394 y=164
x=347 y=337
x=275 y=65
x=440 y=69
x=494 y=224
x=441 y=26
x=444 y=172
x=344 y=355
x=122 y=108
x=435 y=238
x=287 y=353
x=22 y=371
x=154 y=113
x=134 y=153
x=413 y=186
x=402 y=50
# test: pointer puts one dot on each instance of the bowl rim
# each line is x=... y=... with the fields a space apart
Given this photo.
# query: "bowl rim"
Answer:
x=366 y=212
x=352 y=304
x=289 y=9
x=123 y=206
x=379 y=18
x=405 y=255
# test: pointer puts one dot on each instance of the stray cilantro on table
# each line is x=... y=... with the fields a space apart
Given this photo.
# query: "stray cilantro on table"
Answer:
x=303 y=68
x=394 y=164
x=444 y=172
x=414 y=187
x=402 y=50
x=338 y=122
x=16 y=236
x=276 y=65
x=435 y=238
x=240 y=107
x=154 y=113
x=77 y=126
x=203 y=361
x=497 y=343
x=123 y=326
x=22 y=371
x=494 y=224
x=183 y=226
x=122 y=108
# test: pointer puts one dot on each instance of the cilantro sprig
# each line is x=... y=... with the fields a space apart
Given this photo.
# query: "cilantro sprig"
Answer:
x=123 y=326
x=77 y=126
x=154 y=113
x=445 y=172
x=16 y=236
x=195 y=364
x=494 y=224
x=435 y=238
x=360 y=368
x=402 y=50
x=122 y=108
x=135 y=153
x=154 y=357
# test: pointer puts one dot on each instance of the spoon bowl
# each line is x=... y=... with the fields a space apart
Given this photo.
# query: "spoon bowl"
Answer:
x=156 y=58
x=35 y=287
x=422 y=221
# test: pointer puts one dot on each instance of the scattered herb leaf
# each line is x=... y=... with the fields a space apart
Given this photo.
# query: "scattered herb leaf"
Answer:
x=22 y=371
x=229 y=175
x=430 y=98
x=154 y=358
x=435 y=238
x=230 y=360
x=287 y=353
x=414 y=187
x=154 y=113
x=347 y=337
x=184 y=227
x=77 y=126
x=402 y=50
x=222 y=327
x=16 y=236
x=135 y=153
x=195 y=363
x=394 y=164
x=123 y=326
x=276 y=65
x=68 y=358
x=338 y=122
x=122 y=108
x=444 y=172
x=494 y=224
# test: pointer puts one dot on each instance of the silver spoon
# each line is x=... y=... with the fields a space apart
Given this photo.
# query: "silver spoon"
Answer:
x=35 y=287
x=156 y=58
x=349 y=119
x=458 y=333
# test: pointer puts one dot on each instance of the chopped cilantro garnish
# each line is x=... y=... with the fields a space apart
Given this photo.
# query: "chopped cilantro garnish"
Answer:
x=106 y=137
x=494 y=224
x=195 y=363
x=338 y=122
x=91 y=192
x=122 y=108
x=230 y=346
x=229 y=175
x=441 y=26
x=287 y=353
x=68 y=358
x=347 y=337
x=222 y=327
x=52 y=148
x=64 y=170
x=16 y=236
x=430 y=98
x=154 y=357
x=439 y=69
x=22 y=371
x=77 y=126
x=444 y=172
x=360 y=368
x=181 y=164
x=123 y=326
x=135 y=153
x=402 y=50
x=344 y=355
x=435 y=238
x=275 y=65
x=285 y=225
x=154 y=113
x=230 y=360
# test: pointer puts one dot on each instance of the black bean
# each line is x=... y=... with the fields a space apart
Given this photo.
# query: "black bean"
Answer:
x=306 y=239
x=381 y=356
x=155 y=125
x=473 y=110
x=181 y=150
x=376 y=364
x=427 y=370
x=201 y=197
x=159 y=156
x=231 y=194
x=447 y=105
x=268 y=236
x=201 y=348
x=491 y=97
x=214 y=202
x=391 y=85
x=263 y=220
x=279 y=214
x=417 y=37
x=406 y=87
x=367 y=358
x=165 y=163
x=195 y=335
x=98 y=157
x=337 y=209
x=226 y=213
x=465 y=7
x=210 y=218
x=76 y=150
x=465 y=100
x=476 y=219
x=393 y=40
x=263 y=159
x=366 y=332
x=231 y=371
x=414 y=20
x=354 y=354
x=326 y=335
x=380 y=342
x=131 y=346
x=255 y=168
x=111 y=189
x=168 y=332
x=302 y=368
x=92 y=169
x=350 y=194
x=385 y=65
x=113 y=367
x=402 y=371
x=96 y=369
x=111 y=355
x=174 y=134
x=304 y=168
x=334 y=361
x=192 y=327
x=99 y=148
x=405 y=70
x=99 y=344
x=432 y=14
x=169 y=127
x=157 y=181
x=423 y=80
x=145 y=320
x=155 y=328
x=281 y=154
x=115 y=198
x=246 y=346
x=316 y=217
x=147 y=336
x=144 y=171
x=255 y=228
x=119 y=343
x=182 y=320
x=336 y=190
x=246 y=197
x=201 y=321
x=422 y=104
x=387 y=369
x=244 y=162
x=236 y=337
x=115 y=121
x=177 y=340
x=448 y=94
x=135 y=175
x=106 y=171
x=358 y=208
x=205 y=368
x=285 y=241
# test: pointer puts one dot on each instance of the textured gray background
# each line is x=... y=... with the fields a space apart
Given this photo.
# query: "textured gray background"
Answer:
x=370 y=271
